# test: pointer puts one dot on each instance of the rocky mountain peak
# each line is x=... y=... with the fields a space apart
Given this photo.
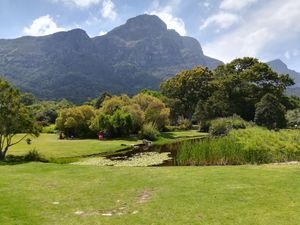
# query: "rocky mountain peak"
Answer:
x=140 y=27
x=278 y=65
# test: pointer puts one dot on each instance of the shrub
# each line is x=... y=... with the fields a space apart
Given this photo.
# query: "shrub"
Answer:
x=184 y=124
x=50 y=129
x=222 y=126
x=293 y=118
x=149 y=131
x=118 y=124
x=33 y=155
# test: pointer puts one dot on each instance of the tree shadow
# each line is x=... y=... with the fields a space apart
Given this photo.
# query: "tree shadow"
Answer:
x=12 y=160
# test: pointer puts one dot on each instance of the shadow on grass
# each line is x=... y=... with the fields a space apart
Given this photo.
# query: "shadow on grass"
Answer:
x=168 y=135
x=32 y=156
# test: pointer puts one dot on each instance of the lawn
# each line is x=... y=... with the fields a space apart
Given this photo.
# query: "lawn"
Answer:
x=45 y=193
x=169 y=137
x=49 y=146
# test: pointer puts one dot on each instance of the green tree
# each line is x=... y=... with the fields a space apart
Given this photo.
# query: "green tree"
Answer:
x=187 y=88
x=119 y=123
x=243 y=82
x=14 y=118
x=270 y=112
x=155 y=110
x=76 y=121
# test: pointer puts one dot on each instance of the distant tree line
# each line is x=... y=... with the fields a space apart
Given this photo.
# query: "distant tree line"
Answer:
x=244 y=87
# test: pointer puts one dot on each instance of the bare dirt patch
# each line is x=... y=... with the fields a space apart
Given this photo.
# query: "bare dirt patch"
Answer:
x=144 y=196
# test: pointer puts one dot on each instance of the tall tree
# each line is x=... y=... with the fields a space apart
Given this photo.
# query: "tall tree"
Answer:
x=243 y=82
x=187 y=88
x=270 y=112
x=14 y=118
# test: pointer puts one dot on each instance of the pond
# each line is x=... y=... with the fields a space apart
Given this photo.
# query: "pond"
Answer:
x=155 y=155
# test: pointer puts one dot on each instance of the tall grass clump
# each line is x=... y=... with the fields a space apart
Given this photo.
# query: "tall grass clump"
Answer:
x=149 y=131
x=214 y=151
x=249 y=146
x=222 y=126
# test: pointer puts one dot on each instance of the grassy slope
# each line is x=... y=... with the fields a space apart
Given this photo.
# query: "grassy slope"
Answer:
x=178 y=195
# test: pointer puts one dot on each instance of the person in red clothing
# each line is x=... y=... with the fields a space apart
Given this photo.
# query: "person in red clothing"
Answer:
x=100 y=135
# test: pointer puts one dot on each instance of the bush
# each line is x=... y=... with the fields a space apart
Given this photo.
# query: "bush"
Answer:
x=33 y=155
x=222 y=126
x=184 y=124
x=149 y=131
x=293 y=118
x=50 y=129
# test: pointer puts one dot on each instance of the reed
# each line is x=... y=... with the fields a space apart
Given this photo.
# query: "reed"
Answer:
x=249 y=146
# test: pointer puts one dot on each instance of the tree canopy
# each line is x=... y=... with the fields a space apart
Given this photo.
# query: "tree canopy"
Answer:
x=14 y=118
x=187 y=88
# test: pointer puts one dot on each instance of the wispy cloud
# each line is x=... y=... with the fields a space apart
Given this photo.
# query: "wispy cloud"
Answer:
x=172 y=21
x=79 y=3
x=223 y=20
x=263 y=30
x=108 y=10
x=43 y=25
x=235 y=4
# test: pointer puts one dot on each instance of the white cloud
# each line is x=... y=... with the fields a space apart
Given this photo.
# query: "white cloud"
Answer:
x=80 y=3
x=235 y=4
x=108 y=10
x=172 y=22
x=223 y=20
x=266 y=28
x=101 y=33
x=43 y=25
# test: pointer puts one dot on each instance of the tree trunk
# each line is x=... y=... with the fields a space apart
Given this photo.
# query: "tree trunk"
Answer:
x=2 y=156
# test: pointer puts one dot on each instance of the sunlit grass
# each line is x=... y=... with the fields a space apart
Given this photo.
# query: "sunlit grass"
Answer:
x=44 y=194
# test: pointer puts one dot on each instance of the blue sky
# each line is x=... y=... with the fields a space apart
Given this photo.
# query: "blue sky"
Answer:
x=226 y=29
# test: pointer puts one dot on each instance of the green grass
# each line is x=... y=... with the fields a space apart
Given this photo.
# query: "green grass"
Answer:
x=175 y=136
x=253 y=145
x=49 y=146
x=44 y=194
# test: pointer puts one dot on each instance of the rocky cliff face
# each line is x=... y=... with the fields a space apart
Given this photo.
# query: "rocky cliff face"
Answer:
x=136 y=55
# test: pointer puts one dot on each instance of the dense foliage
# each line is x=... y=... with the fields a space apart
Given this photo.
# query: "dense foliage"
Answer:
x=222 y=126
x=270 y=112
x=188 y=87
x=233 y=88
x=121 y=115
x=75 y=121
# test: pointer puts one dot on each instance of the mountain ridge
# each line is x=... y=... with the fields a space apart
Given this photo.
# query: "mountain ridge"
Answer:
x=69 y=64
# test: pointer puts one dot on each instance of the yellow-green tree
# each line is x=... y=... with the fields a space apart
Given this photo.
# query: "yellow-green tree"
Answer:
x=75 y=121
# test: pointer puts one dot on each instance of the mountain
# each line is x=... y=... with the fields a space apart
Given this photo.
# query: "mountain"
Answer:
x=280 y=67
x=139 y=54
